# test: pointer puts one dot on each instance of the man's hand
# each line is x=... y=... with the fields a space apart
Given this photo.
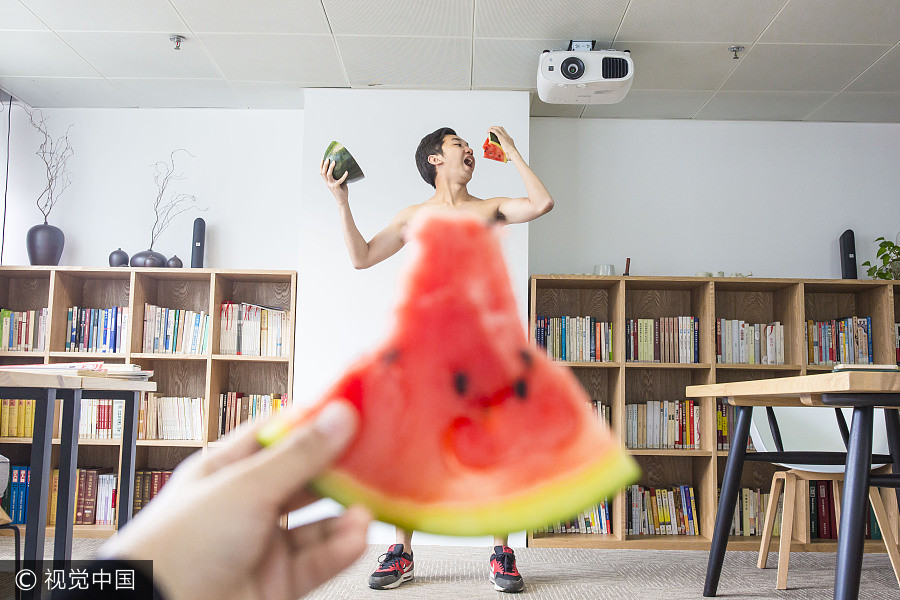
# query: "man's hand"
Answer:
x=506 y=142
x=338 y=187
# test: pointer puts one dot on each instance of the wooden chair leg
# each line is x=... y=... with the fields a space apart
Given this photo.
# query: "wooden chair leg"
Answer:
x=836 y=489
x=886 y=534
x=787 y=529
x=775 y=493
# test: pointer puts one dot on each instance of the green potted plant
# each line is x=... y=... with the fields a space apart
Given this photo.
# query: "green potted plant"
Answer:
x=889 y=253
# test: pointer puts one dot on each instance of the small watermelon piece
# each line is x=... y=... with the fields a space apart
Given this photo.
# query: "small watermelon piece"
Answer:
x=343 y=162
x=465 y=427
x=493 y=150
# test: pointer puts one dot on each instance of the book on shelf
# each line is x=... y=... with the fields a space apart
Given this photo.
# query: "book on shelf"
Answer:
x=661 y=511
x=725 y=416
x=739 y=342
x=253 y=330
x=16 y=417
x=85 y=369
x=897 y=341
x=171 y=418
x=575 y=339
x=23 y=331
x=866 y=367
x=594 y=519
x=96 y=329
x=175 y=331
x=663 y=340
x=663 y=424
x=847 y=340
x=236 y=408
x=147 y=484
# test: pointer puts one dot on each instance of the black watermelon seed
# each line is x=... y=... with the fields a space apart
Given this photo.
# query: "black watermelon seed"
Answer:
x=526 y=357
x=461 y=383
x=391 y=355
x=520 y=388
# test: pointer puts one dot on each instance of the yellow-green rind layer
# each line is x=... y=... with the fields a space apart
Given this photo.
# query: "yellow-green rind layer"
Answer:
x=560 y=498
x=274 y=431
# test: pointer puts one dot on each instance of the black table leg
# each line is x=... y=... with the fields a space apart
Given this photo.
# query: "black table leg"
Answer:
x=892 y=424
x=36 y=521
x=854 y=505
x=68 y=461
x=734 y=467
x=126 y=472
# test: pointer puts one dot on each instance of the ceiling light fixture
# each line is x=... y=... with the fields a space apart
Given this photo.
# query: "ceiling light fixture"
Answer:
x=177 y=39
x=736 y=49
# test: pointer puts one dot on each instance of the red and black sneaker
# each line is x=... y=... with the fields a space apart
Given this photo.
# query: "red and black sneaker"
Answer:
x=394 y=567
x=504 y=574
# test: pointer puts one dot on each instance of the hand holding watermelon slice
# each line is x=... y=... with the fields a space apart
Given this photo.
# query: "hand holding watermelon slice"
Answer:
x=498 y=144
x=465 y=427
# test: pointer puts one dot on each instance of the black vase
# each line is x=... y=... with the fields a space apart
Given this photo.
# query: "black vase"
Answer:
x=174 y=263
x=118 y=258
x=45 y=244
x=148 y=258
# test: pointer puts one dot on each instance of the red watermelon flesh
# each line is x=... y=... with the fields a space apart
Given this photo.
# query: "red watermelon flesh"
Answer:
x=493 y=150
x=466 y=428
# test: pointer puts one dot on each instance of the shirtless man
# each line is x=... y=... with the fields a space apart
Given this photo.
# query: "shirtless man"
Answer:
x=446 y=162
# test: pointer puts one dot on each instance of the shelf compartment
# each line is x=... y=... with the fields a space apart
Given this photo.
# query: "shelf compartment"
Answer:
x=86 y=289
x=765 y=302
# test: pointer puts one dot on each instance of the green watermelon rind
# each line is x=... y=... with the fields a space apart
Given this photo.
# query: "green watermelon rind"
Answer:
x=343 y=162
x=555 y=500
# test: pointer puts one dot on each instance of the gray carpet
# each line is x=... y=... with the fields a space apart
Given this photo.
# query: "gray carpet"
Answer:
x=457 y=573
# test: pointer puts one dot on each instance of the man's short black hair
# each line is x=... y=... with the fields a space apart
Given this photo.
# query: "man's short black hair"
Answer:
x=430 y=144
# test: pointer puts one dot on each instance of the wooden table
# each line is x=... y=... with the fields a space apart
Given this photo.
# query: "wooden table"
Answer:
x=861 y=390
x=46 y=388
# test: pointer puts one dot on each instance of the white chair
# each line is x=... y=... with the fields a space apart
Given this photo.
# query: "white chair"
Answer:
x=815 y=429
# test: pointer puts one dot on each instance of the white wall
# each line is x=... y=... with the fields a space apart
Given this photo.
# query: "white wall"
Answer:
x=245 y=172
x=685 y=196
x=346 y=312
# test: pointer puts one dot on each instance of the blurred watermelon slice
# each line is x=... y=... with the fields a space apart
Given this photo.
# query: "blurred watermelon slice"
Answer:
x=465 y=427
x=343 y=162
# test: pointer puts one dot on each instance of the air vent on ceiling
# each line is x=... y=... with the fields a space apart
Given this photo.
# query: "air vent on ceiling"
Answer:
x=614 y=68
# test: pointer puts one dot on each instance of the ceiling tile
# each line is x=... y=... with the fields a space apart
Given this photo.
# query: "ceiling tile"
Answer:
x=179 y=93
x=651 y=104
x=860 y=107
x=271 y=16
x=540 y=108
x=762 y=106
x=142 y=55
x=542 y=20
x=801 y=67
x=686 y=66
x=261 y=94
x=883 y=76
x=836 y=22
x=406 y=61
x=697 y=20
x=308 y=59
x=447 y=18
x=47 y=92
x=40 y=54
x=108 y=15
x=17 y=17
x=509 y=63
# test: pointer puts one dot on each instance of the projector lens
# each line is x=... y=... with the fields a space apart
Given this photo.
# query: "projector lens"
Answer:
x=572 y=68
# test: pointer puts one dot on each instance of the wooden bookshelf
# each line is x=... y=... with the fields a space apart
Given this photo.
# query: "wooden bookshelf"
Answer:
x=620 y=383
x=203 y=375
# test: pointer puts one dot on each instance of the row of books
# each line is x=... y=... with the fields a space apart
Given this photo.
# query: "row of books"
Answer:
x=725 y=425
x=750 y=512
x=23 y=331
x=577 y=339
x=897 y=341
x=253 y=330
x=840 y=341
x=601 y=411
x=595 y=519
x=171 y=418
x=15 y=500
x=175 y=331
x=147 y=484
x=97 y=329
x=661 y=511
x=16 y=418
x=663 y=424
x=95 y=496
x=739 y=342
x=666 y=340
x=101 y=419
x=236 y=408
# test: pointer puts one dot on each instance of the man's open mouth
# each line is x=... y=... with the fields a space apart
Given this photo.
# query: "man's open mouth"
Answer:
x=469 y=161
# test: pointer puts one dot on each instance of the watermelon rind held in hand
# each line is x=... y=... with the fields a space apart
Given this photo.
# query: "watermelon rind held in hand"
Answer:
x=466 y=428
x=493 y=150
x=343 y=162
